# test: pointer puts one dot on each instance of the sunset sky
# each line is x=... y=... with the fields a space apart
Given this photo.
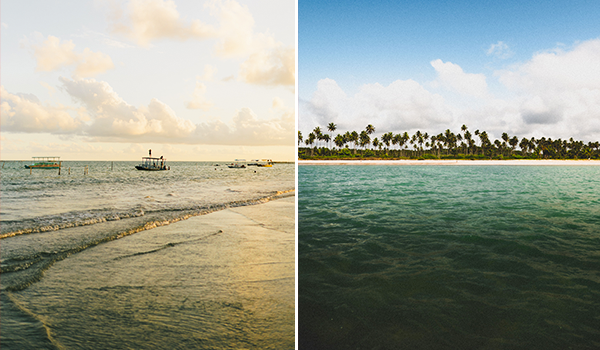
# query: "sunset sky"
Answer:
x=529 y=68
x=108 y=80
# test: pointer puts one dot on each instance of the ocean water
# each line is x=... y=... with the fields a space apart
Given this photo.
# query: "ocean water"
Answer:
x=120 y=258
x=449 y=257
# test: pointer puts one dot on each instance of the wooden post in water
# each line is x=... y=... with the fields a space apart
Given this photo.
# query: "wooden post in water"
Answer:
x=69 y=171
x=58 y=170
x=111 y=166
x=29 y=171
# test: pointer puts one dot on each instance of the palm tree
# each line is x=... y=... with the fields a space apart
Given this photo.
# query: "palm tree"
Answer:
x=375 y=142
x=365 y=139
x=299 y=137
x=309 y=141
x=513 y=143
x=331 y=127
x=325 y=138
x=354 y=139
x=339 y=141
x=317 y=132
x=370 y=129
x=386 y=138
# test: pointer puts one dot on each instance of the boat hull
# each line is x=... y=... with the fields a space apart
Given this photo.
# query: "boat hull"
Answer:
x=149 y=169
x=42 y=167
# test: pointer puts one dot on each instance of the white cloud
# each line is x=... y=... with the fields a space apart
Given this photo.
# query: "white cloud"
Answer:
x=559 y=91
x=402 y=105
x=25 y=113
x=198 y=100
x=452 y=76
x=554 y=94
x=270 y=67
x=500 y=50
x=277 y=103
x=248 y=129
x=113 y=117
x=53 y=54
x=148 y=20
x=51 y=89
x=209 y=73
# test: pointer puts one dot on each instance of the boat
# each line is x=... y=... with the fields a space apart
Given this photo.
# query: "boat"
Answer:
x=153 y=164
x=261 y=163
x=45 y=163
x=238 y=164
x=265 y=163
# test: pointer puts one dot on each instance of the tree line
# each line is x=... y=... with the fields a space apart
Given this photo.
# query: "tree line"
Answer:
x=321 y=144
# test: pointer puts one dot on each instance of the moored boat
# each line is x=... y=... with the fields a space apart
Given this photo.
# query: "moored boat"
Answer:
x=238 y=164
x=153 y=164
x=45 y=163
x=265 y=163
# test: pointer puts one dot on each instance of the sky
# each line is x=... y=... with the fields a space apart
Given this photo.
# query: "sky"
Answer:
x=109 y=80
x=528 y=68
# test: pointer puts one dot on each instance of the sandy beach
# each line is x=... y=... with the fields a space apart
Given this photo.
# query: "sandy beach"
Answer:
x=452 y=162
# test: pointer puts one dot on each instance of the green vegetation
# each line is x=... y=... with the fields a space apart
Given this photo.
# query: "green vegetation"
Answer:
x=446 y=145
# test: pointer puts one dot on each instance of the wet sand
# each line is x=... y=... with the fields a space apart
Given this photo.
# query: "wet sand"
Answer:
x=451 y=162
x=221 y=280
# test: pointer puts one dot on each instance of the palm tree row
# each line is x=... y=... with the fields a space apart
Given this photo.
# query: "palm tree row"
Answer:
x=443 y=145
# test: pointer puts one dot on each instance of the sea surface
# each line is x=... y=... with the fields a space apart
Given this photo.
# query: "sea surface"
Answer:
x=119 y=258
x=448 y=257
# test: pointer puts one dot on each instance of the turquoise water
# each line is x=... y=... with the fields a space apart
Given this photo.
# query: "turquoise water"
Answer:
x=449 y=257
x=118 y=258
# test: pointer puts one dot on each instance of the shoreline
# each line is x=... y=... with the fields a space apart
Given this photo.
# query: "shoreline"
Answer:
x=527 y=162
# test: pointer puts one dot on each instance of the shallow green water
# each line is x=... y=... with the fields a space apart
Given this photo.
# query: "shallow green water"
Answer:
x=437 y=257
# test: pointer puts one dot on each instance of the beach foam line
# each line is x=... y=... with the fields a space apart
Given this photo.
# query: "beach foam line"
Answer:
x=49 y=259
x=136 y=213
x=527 y=162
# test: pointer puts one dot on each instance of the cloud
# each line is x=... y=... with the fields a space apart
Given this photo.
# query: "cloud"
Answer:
x=559 y=89
x=209 y=73
x=113 y=119
x=500 y=50
x=53 y=54
x=452 y=76
x=248 y=129
x=557 y=70
x=270 y=67
x=198 y=100
x=51 y=89
x=236 y=31
x=277 y=103
x=148 y=20
x=25 y=113
x=402 y=105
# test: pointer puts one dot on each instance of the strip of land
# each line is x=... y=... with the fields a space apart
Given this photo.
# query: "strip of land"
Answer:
x=451 y=162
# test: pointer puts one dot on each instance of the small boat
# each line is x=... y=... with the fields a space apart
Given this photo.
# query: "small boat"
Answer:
x=153 y=164
x=265 y=163
x=238 y=164
x=45 y=163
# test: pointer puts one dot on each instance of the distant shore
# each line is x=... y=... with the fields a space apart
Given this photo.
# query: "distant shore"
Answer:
x=452 y=162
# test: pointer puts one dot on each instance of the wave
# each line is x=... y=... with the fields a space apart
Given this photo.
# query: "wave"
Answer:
x=22 y=271
x=91 y=217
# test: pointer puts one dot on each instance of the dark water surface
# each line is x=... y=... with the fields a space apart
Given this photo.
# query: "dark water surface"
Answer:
x=438 y=257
